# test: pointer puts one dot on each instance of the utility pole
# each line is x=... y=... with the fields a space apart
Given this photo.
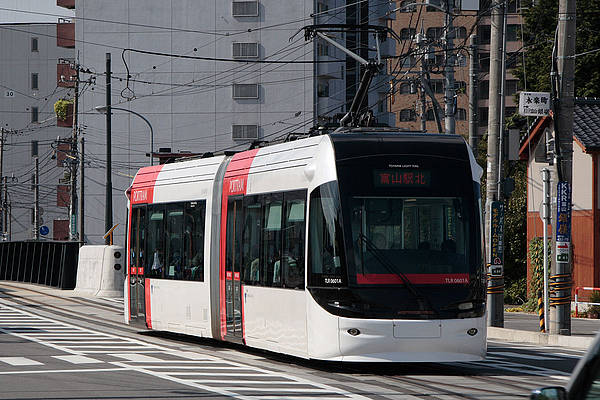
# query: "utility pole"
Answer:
x=108 y=221
x=73 y=164
x=6 y=208
x=81 y=190
x=495 y=283
x=473 y=94
x=3 y=219
x=36 y=190
x=560 y=319
x=449 y=69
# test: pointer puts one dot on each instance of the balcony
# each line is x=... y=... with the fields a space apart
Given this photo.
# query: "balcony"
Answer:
x=70 y=4
x=68 y=121
x=65 y=73
x=65 y=33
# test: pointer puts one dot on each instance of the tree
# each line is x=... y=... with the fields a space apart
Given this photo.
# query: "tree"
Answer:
x=540 y=21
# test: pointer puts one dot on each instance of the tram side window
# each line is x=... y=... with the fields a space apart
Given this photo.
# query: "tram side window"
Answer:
x=155 y=262
x=173 y=236
x=251 y=240
x=293 y=240
x=193 y=241
x=138 y=237
x=271 y=266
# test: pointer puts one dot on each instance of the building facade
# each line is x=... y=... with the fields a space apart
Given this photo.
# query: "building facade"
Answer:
x=411 y=20
x=31 y=67
x=206 y=78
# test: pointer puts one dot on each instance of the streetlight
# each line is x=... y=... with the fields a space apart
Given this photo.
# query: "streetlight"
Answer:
x=102 y=110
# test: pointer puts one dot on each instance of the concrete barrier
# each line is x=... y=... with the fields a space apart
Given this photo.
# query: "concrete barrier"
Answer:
x=96 y=273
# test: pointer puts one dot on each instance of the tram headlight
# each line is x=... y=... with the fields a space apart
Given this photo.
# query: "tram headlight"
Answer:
x=465 y=306
x=353 y=332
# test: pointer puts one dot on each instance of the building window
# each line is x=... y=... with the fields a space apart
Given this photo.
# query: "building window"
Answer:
x=512 y=33
x=460 y=32
x=485 y=33
x=322 y=7
x=244 y=8
x=439 y=59
x=461 y=114
x=407 y=33
x=382 y=103
x=322 y=49
x=437 y=86
x=513 y=59
x=407 y=6
x=34 y=81
x=435 y=33
x=405 y=88
x=483 y=116
x=430 y=116
x=244 y=132
x=484 y=90
x=245 y=50
x=407 y=115
x=245 y=91
x=409 y=62
x=34 y=44
x=511 y=88
x=512 y=7
x=484 y=62
x=323 y=89
x=34 y=114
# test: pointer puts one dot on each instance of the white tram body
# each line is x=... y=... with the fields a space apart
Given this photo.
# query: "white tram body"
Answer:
x=315 y=248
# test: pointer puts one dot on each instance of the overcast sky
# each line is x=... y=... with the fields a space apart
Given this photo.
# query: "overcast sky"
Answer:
x=30 y=7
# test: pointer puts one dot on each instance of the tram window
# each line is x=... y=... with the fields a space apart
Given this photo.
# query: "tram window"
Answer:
x=156 y=246
x=293 y=240
x=193 y=241
x=174 y=245
x=326 y=260
x=271 y=267
x=251 y=240
x=138 y=237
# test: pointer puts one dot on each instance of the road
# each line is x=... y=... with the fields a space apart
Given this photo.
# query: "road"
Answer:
x=54 y=347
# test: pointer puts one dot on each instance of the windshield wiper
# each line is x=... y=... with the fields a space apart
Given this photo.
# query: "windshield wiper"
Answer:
x=391 y=267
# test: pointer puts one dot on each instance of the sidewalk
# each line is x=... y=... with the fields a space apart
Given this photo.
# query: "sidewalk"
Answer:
x=524 y=328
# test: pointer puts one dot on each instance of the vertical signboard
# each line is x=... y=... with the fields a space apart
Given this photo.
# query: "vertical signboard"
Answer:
x=497 y=239
x=563 y=222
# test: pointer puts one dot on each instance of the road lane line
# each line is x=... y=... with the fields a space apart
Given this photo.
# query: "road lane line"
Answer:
x=77 y=359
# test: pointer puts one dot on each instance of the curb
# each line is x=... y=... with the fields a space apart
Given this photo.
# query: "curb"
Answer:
x=543 y=339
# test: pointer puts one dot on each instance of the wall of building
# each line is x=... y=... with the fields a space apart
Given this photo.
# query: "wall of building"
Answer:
x=17 y=104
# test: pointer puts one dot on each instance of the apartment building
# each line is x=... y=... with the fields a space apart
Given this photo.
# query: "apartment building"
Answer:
x=35 y=72
x=413 y=19
x=208 y=77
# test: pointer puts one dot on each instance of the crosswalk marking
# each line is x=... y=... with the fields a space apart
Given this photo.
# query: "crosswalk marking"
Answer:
x=137 y=357
x=522 y=355
x=20 y=361
x=77 y=359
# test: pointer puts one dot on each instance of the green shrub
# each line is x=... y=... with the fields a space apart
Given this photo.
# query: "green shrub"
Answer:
x=594 y=310
x=536 y=285
x=61 y=108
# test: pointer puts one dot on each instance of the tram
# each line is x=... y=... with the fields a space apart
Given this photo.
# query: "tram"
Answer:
x=360 y=245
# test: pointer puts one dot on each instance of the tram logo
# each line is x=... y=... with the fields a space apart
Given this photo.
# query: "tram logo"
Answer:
x=140 y=196
x=237 y=185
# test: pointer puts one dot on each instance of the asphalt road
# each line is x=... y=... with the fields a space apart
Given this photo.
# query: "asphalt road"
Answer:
x=60 y=347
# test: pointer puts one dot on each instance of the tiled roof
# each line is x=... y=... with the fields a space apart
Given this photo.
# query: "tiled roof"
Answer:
x=586 y=123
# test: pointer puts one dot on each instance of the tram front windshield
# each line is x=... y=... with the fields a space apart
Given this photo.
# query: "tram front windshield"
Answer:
x=397 y=236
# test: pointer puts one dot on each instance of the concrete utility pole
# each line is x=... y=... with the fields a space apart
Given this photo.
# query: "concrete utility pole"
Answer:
x=3 y=216
x=73 y=208
x=495 y=300
x=473 y=94
x=560 y=315
x=449 y=92
x=81 y=191
x=108 y=220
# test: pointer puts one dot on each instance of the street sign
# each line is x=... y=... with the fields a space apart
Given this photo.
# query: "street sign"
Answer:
x=563 y=222
x=534 y=104
x=44 y=230
x=497 y=239
x=9 y=93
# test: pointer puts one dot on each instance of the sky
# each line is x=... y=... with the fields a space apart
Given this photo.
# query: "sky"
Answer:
x=37 y=6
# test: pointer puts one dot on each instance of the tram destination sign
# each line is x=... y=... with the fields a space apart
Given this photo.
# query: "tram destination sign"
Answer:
x=534 y=104
x=401 y=178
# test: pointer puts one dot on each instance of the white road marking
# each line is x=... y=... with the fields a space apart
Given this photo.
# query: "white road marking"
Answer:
x=19 y=361
x=77 y=359
x=136 y=357
x=61 y=371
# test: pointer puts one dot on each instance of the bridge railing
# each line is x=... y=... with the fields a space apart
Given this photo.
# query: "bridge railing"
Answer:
x=43 y=262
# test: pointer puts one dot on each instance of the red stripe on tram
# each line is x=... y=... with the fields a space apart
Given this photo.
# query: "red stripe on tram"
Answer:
x=234 y=183
x=423 y=279
x=147 y=307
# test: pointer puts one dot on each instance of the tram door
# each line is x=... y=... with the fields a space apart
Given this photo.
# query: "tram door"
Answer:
x=233 y=262
x=138 y=260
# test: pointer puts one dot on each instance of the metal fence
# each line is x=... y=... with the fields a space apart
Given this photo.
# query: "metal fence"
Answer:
x=46 y=263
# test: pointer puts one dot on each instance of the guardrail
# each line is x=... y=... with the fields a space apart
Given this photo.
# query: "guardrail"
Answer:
x=577 y=302
x=46 y=263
